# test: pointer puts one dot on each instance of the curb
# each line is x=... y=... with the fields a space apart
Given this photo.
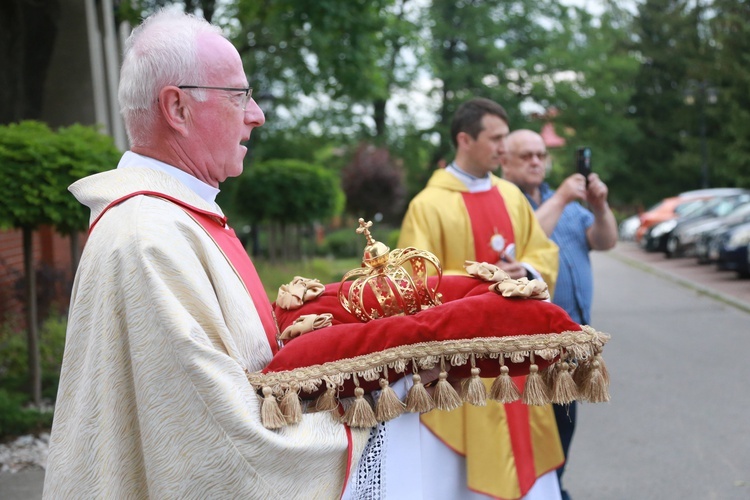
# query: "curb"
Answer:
x=697 y=287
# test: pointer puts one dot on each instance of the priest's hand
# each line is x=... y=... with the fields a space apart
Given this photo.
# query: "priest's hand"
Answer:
x=511 y=266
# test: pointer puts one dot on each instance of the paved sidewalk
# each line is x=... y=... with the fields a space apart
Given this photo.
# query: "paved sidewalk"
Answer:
x=24 y=485
x=703 y=278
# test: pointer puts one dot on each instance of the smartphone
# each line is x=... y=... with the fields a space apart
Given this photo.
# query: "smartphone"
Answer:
x=583 y=162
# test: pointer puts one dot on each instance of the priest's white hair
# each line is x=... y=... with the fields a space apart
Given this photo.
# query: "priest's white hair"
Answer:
x=161 y=51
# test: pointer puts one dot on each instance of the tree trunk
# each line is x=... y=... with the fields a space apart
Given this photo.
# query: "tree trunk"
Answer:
x=285 y=242
x=272 y=242
x=255 y=239
x=301 y=242
x=32 y=329
x=379 y=117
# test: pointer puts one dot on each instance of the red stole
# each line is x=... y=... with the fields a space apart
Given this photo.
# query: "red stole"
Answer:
x=489 y=217
x=225 y=238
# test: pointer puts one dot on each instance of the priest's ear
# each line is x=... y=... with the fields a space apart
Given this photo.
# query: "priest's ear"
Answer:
x=463 y=139
x=173 y=107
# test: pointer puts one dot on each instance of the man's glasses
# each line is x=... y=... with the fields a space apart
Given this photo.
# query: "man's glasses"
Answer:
x=529 y=155
x=243 y=94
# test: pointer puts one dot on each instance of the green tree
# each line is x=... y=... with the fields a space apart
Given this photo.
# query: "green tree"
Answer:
x=285 y=192
x=667 y=44
x=731 y=27
x=37 y=165
x=495 y=49
x=592 y=72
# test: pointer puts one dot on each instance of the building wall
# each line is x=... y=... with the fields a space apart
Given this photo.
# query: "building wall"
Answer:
x=69 y=94
x=69 y=98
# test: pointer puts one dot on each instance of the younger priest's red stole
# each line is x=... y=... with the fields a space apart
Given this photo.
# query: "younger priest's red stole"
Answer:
x=489 y=219
x=225 y=238
x=480 y=433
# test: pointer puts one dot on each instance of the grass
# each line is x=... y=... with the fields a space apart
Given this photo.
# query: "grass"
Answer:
x=327 y=270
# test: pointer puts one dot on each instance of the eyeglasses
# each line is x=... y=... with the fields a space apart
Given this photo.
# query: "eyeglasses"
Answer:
x=529 y=155
x=244 y=94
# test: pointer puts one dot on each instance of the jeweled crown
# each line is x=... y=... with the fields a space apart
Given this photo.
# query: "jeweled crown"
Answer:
x=383 y=286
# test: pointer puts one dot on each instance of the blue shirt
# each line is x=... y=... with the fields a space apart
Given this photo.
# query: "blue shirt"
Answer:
x=575 y=283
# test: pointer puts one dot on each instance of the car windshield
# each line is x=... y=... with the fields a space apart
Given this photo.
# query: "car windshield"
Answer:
x=728 y=204
x=689 y=207
x=713 y=206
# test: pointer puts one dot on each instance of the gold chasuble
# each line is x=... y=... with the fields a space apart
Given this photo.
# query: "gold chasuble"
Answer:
x=507 y=446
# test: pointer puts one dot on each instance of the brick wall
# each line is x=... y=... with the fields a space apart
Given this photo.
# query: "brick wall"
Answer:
x=53 y=265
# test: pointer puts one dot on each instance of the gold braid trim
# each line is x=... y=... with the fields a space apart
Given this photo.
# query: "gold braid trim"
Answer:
x=579 y=349
x=579 y=344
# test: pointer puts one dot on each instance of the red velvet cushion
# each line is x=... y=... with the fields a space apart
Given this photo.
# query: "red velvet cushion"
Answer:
x=469 y=310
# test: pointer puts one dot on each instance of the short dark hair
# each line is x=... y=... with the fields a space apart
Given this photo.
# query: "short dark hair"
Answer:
x=468 y=117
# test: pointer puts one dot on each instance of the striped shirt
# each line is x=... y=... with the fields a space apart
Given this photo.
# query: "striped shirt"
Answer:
x=575 y=283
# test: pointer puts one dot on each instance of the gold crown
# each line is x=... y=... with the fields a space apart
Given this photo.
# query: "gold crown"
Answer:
x=395 y=290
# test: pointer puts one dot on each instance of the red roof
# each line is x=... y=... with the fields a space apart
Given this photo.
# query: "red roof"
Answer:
x=551 y=139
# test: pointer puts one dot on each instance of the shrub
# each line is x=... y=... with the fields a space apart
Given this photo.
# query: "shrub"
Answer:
x=343 y=243
x=16 y=420
x=14 y=355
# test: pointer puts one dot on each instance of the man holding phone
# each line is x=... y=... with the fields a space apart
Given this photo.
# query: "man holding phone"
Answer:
x=576 y=230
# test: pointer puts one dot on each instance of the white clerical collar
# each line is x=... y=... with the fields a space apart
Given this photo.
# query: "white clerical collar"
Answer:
x=473 y=184
x=205 y=191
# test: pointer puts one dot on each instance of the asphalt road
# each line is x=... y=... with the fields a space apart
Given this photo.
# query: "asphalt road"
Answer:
x=678 y=425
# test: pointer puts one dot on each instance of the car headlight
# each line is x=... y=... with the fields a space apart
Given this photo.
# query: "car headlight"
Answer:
x=739 y=238
x=663 y=228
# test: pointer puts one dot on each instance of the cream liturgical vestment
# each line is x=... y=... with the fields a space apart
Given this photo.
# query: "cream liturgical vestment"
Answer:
x=153 y=400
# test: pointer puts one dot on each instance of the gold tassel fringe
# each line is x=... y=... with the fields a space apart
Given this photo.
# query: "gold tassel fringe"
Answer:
x=291 y=407
x=389 y=406
x=360 y=413
x=581 y=373
x=503 y=388
x=445 y=396
x=270 y=414
x=418 y=400
x=564 y=389
x=603 y=368
x=595 y=387
x=474 y=391
x=577 y=375
x=535 y=391
x=327 y=401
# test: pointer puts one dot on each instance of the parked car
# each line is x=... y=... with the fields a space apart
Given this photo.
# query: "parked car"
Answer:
x=666 y=209
x=628 y=227
x=708 y=233
x=732 y=250
x=680 y=241
x=654 y=240
x=715 y=206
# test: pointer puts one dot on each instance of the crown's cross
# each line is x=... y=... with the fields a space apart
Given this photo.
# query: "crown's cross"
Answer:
x=364 y=228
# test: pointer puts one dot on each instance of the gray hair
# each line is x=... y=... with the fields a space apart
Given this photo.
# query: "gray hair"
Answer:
x=161 y=51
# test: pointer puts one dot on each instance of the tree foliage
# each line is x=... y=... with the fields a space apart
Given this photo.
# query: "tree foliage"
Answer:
x=373 y=182
x=731 y=27
x=630 y=83
x=37 y=166
x=591 y=89
x=288 y=191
